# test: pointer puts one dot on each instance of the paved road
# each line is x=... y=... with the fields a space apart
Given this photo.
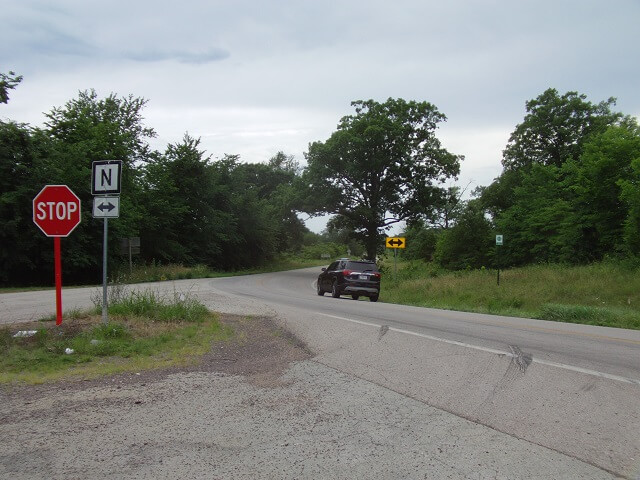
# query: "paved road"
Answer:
x=572 y=389
x=604 y=351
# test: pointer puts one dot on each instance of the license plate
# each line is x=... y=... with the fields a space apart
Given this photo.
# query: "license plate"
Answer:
x=364 y=277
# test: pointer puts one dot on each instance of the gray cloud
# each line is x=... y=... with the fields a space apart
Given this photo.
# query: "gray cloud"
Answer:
x=40 y=39
x=197 y=58
x=254 y=77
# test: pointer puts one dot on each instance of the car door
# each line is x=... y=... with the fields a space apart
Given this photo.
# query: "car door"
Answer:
x=328 y=276
x=337 y=274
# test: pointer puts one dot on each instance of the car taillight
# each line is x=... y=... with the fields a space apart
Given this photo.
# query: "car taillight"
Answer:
x=377 y=275
x=346 y=273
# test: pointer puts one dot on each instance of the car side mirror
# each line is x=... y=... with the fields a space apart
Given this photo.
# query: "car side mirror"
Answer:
x=324 y=269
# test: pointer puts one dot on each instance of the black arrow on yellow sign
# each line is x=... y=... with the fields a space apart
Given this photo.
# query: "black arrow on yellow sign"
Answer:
x=396 y=242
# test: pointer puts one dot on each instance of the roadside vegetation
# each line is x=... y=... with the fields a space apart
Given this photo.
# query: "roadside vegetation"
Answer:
x=566 y=205
x=603 y=293
x=145 y=331
x=606 y=293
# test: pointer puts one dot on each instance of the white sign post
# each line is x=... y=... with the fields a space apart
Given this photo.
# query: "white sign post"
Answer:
x=106 y=180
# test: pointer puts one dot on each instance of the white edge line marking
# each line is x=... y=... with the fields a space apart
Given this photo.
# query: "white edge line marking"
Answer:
x=564 y=366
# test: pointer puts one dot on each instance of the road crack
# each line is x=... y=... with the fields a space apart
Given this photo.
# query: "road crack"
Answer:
x=521 y=359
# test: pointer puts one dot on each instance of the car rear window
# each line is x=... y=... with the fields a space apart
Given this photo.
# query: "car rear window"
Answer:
x=362 y=266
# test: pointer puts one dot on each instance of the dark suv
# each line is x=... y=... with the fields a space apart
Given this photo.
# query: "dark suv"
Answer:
x=351 y=277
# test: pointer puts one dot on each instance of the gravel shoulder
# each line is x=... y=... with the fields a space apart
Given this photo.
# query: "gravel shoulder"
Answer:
x=258 y=407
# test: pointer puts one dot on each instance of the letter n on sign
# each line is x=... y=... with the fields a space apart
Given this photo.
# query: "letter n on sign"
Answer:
x=105 y=177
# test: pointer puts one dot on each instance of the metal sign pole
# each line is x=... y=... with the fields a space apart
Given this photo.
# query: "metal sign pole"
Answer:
x=105 y=316
x=499 y=242
x=58 y=273
x=395 y=262
x=106 y=181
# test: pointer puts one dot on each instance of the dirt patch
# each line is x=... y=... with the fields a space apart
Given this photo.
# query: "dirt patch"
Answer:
x=260 y=351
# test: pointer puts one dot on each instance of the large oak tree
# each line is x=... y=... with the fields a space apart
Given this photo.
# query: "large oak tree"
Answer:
x=383 y=165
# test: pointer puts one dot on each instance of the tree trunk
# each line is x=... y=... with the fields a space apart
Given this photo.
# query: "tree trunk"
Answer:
x=372 y=242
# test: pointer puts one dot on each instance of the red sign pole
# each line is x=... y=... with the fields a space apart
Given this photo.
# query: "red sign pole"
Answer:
x=56 y=211
x=58 y=267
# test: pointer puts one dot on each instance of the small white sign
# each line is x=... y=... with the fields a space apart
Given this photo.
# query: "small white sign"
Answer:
x=105 y=177
x=499 y=240
x=106 y=207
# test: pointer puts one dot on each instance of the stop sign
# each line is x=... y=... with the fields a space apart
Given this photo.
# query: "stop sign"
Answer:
x=56 y=210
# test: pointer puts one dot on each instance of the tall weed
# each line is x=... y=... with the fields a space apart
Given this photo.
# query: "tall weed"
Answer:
x=179 y=307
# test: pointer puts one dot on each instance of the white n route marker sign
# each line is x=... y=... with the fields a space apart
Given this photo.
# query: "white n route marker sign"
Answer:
x=105 y=177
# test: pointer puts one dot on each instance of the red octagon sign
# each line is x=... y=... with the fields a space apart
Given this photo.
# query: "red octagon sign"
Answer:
x=56 y=210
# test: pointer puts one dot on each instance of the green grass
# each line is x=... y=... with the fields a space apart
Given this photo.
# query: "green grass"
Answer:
x=606 y=294
x=145 y=331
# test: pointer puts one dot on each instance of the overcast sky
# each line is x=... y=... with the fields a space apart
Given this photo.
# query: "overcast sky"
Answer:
x=255 y=77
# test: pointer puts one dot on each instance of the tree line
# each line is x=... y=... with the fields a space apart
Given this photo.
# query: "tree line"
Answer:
x=569 y=190
x=186 y=207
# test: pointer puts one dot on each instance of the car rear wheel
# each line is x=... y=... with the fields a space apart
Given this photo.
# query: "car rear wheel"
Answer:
x=335 y=293
x=355 y=297
x=373 y=298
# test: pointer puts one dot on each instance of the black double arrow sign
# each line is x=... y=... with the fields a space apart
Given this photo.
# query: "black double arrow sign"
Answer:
x=108 y=207
x=395 y=242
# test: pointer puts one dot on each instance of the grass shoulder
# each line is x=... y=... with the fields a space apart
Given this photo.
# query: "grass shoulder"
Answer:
x=604 y=294
x=145 y=331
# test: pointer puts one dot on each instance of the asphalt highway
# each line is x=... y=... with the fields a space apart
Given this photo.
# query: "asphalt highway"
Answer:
x=603 y=351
